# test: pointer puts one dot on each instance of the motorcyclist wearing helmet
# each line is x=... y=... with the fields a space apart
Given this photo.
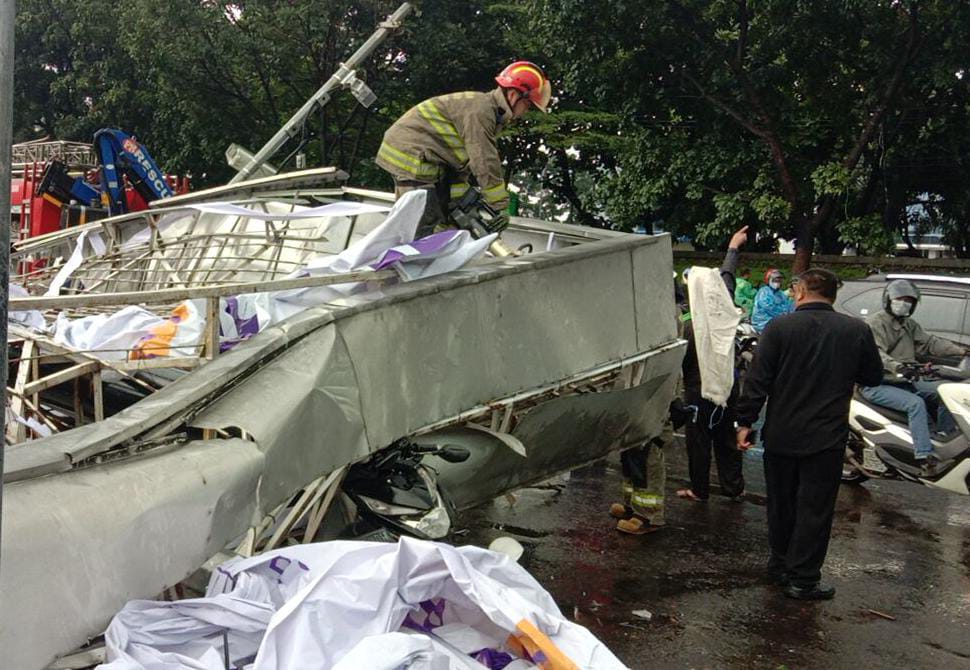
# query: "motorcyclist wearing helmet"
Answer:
x=446 y=141
x=770 y=300
x=903 y=344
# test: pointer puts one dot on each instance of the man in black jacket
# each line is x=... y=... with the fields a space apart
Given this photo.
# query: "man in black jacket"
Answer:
x=806 y=365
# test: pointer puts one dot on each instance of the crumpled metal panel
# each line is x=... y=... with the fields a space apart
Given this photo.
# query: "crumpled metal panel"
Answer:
x=79 y=545
x=559 y=435
x=423 y=352
x=516 y=328
x=303 y=410
x=58 y=452
x=318 y=391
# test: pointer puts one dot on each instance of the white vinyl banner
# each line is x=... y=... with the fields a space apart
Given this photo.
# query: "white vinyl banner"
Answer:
x=350 y=605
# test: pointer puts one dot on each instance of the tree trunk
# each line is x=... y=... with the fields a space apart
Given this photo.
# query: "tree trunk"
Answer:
x=804 y=242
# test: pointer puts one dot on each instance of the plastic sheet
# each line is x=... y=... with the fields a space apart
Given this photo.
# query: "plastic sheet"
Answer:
x=332 y=209
x=358 y=605
x=389 y=245
x=31 y=318
x=715 y=320
x=180 y=333
x=112 y=335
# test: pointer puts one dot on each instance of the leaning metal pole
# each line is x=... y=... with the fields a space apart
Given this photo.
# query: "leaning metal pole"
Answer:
x=8 y=13
x=344 y=76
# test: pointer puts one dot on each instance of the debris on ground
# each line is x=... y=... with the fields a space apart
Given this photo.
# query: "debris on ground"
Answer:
x=350 y=605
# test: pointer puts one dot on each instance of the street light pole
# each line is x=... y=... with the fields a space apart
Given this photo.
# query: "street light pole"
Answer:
x=343 y=77
x=8 y=13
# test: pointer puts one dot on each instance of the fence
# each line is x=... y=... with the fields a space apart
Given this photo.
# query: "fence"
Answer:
x=845 y=266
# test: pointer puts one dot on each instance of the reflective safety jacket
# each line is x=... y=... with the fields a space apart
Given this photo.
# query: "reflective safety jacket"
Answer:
x=450 y=136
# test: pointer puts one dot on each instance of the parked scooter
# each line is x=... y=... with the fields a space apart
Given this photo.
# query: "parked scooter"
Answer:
x=394 y=493
x=881 y=446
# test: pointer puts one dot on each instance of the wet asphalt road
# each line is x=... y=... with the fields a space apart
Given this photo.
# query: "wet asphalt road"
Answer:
x=897 y=549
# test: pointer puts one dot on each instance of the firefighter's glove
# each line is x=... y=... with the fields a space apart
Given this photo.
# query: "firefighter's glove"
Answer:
x=497 y=223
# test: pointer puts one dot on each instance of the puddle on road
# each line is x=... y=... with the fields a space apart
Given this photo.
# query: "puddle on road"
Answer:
x=899 y=549
x=521 y=531
x=959 y=514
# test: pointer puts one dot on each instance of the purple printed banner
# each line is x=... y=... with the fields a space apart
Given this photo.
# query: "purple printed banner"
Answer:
x=428 y=246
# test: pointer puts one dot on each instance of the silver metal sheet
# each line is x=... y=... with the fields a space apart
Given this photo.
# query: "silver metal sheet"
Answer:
x=387 y=367
x=58 y=452
x=559 y=435
x=79 y=545
x=653 y=285
x=321 y=390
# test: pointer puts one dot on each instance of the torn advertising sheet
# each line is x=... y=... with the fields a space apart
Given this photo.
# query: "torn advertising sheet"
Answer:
x=136 y=333
x=31 y=318
x=332 y=209
x=345 y=605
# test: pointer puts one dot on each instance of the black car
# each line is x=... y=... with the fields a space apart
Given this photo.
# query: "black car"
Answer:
x=942 y=308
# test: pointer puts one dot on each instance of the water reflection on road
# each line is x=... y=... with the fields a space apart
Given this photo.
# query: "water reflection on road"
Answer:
x=899 y=556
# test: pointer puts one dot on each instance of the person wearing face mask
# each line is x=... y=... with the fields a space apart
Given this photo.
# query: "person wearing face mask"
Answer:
x=902 y=345
x=770 y=301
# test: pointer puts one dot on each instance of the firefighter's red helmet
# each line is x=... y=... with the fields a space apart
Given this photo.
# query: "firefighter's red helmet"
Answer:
x=528 y=79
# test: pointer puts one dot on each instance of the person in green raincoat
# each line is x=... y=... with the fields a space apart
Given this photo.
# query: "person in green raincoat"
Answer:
x=744 y=293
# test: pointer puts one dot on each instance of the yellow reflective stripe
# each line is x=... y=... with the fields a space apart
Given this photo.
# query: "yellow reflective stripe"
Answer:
x=458 y=189
x=646 y=499
x=496 y=193
x=410 y=169
x=385 y=147
x=445 y=128
x=407 y=163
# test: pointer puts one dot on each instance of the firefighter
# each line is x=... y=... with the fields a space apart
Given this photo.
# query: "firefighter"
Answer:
x=444 y=142
x=644 y=475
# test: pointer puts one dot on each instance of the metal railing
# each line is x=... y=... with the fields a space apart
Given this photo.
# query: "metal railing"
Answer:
x=74 y=154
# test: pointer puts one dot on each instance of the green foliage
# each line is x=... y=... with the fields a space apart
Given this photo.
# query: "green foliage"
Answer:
x=717 y=96
x=190 y=78
x=772 y=209
x=697 y=116
x=831 y=179
x=867 y=235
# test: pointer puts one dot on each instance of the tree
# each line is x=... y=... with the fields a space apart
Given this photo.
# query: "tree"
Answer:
x=236 y=71
x=772 y=113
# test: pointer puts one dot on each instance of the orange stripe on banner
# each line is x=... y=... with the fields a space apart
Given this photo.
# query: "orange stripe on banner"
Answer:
x=159 y=343
x=531 y=643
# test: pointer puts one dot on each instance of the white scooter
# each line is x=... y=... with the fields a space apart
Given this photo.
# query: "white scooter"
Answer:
x=880 y=445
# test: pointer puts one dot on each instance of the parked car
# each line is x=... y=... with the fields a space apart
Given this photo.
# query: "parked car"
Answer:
x=942 y=309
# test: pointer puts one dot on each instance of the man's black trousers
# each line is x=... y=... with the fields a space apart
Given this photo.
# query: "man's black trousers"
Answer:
x=712 y=429
x=801 y=504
